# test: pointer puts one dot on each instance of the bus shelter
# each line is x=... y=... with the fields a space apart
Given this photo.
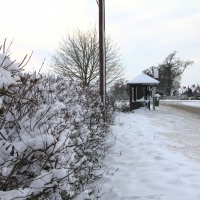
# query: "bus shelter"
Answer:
x=141 y=88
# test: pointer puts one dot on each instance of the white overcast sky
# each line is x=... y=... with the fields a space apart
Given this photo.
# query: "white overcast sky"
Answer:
x=146 y=30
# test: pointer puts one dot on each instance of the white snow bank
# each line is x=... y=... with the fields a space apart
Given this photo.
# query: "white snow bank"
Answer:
x=195 y=103
x=192 y=103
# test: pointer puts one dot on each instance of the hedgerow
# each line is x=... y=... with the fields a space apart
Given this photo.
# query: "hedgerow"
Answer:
x=52 y=135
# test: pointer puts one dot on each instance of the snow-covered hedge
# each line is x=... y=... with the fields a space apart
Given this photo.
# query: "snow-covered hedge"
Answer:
x=8 y=71
x=122 y=106
x=52 y=136
x=8 y=77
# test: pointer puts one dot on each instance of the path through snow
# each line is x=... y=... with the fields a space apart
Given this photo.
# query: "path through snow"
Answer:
x=146 y=161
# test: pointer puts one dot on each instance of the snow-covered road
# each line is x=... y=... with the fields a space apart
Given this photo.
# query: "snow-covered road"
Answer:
x=187 y=107
x=155 y=156
x=181 y=127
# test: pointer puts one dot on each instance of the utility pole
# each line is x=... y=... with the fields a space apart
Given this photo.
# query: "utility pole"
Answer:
x=102 y=55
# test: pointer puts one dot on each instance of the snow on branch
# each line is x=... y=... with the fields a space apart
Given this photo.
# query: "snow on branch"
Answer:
x=52 y=139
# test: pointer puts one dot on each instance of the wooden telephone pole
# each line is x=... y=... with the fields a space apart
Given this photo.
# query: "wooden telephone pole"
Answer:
x=102 y=54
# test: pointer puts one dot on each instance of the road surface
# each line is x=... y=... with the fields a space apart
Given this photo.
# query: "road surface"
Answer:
x=182 y=125
x=188 y=110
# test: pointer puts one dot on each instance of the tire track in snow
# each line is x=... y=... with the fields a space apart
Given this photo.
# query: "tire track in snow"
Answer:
x=182 y=128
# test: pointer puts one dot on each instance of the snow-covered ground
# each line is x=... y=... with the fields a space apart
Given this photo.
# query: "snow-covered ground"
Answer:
x=195 y=103
x=155 y=156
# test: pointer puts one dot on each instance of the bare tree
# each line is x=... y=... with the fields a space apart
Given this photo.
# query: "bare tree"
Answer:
x=77 y=58
x=170 y=72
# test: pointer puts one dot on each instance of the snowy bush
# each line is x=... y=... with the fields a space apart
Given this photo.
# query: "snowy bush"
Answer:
x=52 y=136
x=122 y=106
x=8 y=71
x=8 y=77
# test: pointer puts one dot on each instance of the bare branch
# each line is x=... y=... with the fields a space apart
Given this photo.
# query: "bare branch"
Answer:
x=24 y=60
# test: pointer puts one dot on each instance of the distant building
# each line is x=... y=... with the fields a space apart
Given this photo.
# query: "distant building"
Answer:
x=183 y=90
x=195 y=90
x=140 y=90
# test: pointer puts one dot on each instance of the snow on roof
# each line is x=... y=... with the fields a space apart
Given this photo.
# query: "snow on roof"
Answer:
x=144 y=79
x=193 y=88
x=183 y=90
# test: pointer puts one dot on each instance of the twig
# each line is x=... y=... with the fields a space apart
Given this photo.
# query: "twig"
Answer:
x=9 y=46
x=4 y=44
x=24 y=60
x=41 y=66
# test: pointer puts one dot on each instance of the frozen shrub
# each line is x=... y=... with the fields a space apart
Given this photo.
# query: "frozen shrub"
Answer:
x=8 y=71
x=122 y=107
x=52 y=136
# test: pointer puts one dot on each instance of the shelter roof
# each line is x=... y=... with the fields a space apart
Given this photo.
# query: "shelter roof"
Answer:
x=143 y=79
